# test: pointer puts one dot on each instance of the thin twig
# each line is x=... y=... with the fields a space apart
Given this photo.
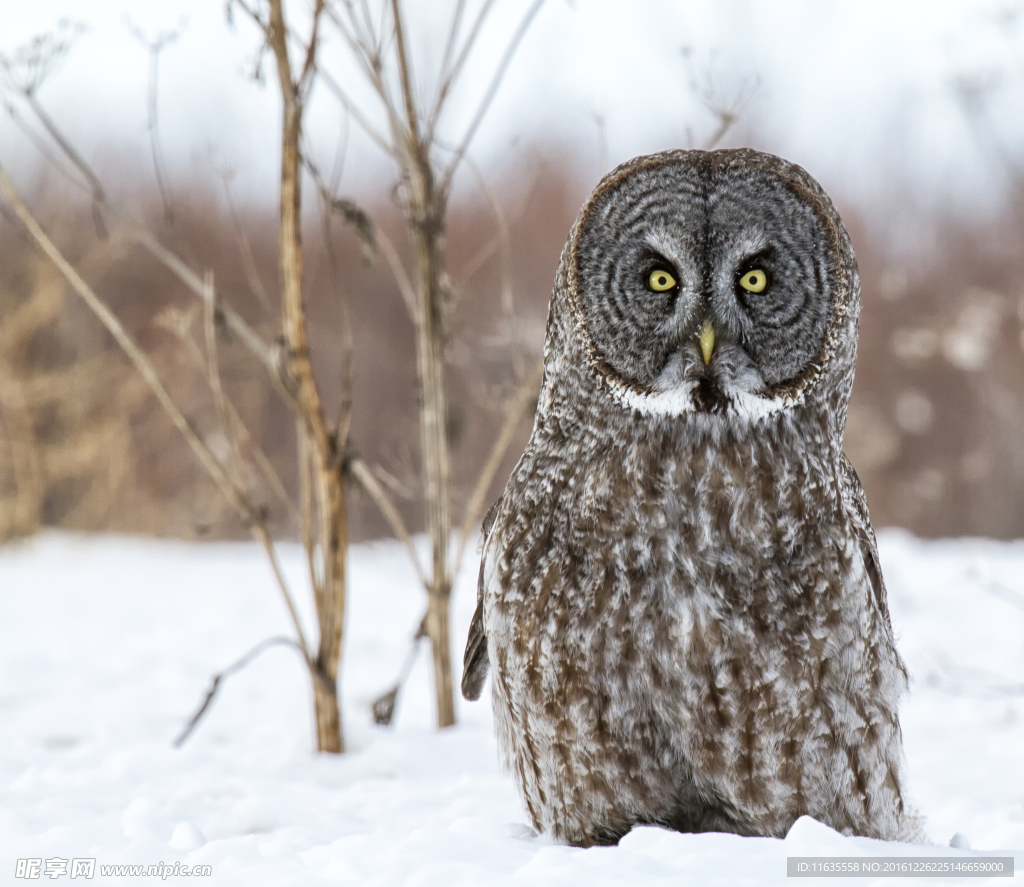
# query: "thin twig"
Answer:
x=154 y=48
x=334 y=87
x=245 y=249
x=220 y=401
x=488 y=249
x=366 y=479
x=69 y=150
x=492 y=89
x=448 y=77
x=309 y=64
x=252 y=516
x=44 y=149
x=405 y=286
x=236 y=666
x=383 y=706
x=238 y=325
x=505 y=266
x=726 y=120
x=405 y=489
x=513 y=416
x=453 y=36
x=307 y=505
x=270 y=475
x=406 y=77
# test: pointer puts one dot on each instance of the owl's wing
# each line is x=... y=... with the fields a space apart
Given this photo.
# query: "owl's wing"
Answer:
x=857 y=506
x=475 y=663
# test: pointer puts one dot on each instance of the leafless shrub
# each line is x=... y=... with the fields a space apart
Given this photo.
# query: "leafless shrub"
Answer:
x=227 y=452
x=378 y=41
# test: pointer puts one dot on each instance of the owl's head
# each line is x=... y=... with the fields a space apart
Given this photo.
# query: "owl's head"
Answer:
x=720 y=282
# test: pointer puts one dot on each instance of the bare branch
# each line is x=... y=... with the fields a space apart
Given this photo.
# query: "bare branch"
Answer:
x=449 y=46
x=32 y=63
x=259 y=21
x=238 y=325
x=353 y=214
x=43 y=148
x=244 y=248
x=449 y=77
x=309 y=64
x=490 y=247
x=726 y=120
x=397 y=486
x=369 y=483
x=154 y=47
x=405 y=286
x=368 y=52
x=405 y=75
x=383 y=707
x=277 y=38
x=505 y=262
x=236 y=666
x=492 y=90
x=99 y=195
x=353 y=110
x=251 y=515
x=220 y=401
x=514 y=412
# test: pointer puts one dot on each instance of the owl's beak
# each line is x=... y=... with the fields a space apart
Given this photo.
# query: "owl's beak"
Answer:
x=706 y=336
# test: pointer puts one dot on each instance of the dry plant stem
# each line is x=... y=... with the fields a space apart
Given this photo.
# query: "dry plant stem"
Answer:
x=426 y=214
x=382 y=242
x=236 y=323
x=412 y=143
x=242 y=433
x=251 y=515
x=236 y=666
x=492 y=90
x=328 y=475
x=220 y=401
x=369 y=483
x=505 y=261
x=726 y=120
x=43 y=148
x=154 y=48
x=514 y=412
x=405 y=286
x=99 y=195
x=308 y=521
x=244 y=249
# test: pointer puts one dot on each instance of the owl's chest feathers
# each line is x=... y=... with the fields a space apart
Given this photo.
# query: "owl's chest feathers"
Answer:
x=674 y=521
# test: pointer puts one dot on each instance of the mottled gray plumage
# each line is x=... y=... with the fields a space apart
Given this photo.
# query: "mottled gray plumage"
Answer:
x=680 y=597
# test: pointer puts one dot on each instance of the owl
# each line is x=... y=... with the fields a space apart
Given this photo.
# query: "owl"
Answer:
x=680 y=599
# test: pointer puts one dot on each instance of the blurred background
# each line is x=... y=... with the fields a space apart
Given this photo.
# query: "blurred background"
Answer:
x=907 y=113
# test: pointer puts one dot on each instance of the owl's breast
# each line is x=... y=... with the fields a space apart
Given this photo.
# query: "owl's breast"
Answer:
x=647 y=575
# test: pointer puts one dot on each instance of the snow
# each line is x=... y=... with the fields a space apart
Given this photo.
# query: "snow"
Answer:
x=108 y=644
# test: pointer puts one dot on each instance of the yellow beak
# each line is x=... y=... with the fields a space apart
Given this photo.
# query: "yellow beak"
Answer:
x=707 y=341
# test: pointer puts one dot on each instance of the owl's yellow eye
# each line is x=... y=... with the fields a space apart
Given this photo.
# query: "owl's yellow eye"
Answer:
x=660 y=281
x=754 y=281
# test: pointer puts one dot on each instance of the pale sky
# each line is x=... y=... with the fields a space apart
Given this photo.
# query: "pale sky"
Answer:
x=855 y=90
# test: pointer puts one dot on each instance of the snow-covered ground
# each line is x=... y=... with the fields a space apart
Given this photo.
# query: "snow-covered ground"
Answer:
x=108 y=644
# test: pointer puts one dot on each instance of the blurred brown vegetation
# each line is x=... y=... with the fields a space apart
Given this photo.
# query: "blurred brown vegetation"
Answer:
x=934 y=429
x=144 y=479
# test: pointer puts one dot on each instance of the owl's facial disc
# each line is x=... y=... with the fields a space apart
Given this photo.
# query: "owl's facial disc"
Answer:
x=706 y=284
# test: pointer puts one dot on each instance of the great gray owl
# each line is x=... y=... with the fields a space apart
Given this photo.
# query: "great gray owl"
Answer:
x=680 y=596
